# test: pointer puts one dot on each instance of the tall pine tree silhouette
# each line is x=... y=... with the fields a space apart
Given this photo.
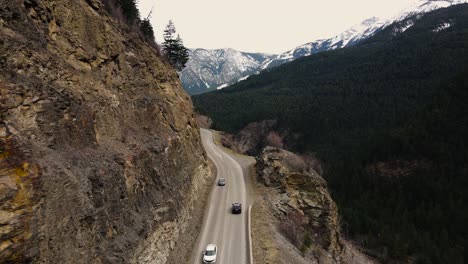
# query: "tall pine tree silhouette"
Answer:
x=173 y=47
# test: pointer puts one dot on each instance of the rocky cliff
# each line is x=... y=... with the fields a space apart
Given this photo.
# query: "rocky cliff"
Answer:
x=100 y=156
x=297 y=197
x=308 y=216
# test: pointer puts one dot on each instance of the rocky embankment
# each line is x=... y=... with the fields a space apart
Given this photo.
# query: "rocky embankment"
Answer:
x=301 y=212
x=307 y=215
x=100 y=156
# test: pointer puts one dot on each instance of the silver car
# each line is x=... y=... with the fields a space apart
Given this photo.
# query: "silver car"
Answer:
x=221 y=182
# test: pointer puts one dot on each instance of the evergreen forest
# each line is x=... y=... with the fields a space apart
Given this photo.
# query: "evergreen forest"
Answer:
x=389 y=119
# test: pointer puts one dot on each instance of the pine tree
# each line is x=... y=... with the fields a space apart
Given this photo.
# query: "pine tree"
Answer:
x=173 y=48
x=130 y=10
x=169 y=42
x=182 y=54
x=126 y=11
x=147 y=30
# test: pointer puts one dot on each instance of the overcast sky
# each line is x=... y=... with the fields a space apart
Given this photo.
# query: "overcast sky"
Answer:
x=270 y=26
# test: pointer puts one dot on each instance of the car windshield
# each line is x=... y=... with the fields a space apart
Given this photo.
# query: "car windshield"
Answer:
x=210 y=253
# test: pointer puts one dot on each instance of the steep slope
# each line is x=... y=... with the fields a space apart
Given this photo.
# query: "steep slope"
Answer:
x=411 y=63
x=214 y=69
x=96 y=134
x=421 y=7
x=360 y=32
x=307 y=214
x=202 y=75
x=294 y=200
x=397 y=178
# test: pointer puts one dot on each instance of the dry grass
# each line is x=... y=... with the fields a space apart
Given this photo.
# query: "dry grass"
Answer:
x=264 y=245
x=291 y=227
x=295 y=163
x=269 y=244
x=217 y=140
x=203 y=121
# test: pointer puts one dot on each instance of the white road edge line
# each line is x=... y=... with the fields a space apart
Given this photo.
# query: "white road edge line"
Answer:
x=249 y=230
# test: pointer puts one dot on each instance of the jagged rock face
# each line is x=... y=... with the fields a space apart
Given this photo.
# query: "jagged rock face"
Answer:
x=302 y=203
x=100 y=156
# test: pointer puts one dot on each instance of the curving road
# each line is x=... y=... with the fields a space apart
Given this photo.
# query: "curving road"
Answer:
x=220 y=226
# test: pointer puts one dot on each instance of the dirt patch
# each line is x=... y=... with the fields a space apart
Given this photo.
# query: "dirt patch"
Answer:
x=353 y=255
x=269 y=246
x=203 y=121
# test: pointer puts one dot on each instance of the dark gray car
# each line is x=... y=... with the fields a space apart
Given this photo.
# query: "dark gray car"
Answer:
x=236 y=208
x=221 y=182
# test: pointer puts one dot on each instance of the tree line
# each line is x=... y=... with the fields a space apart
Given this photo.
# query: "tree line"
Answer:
x=173 y=49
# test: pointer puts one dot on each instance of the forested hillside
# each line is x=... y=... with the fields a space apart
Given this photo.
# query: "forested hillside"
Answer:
x=389 y=120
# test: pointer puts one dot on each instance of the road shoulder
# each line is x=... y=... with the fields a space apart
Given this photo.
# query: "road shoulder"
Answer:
x=184 y=246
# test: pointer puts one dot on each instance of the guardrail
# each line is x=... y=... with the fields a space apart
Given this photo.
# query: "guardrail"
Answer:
x=249 y=230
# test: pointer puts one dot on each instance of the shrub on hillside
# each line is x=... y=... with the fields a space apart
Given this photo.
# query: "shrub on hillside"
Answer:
x=126 y=11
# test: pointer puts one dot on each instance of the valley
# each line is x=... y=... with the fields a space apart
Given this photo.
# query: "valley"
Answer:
x=118 y=144
x=386 y=120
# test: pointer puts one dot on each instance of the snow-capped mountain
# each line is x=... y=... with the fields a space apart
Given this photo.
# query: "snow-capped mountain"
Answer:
x=360 y=32
x=421 y=7
x=215 y=69
x=349 y=37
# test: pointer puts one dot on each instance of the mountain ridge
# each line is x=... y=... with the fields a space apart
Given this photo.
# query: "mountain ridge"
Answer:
x=197 y=78
x=211 y=69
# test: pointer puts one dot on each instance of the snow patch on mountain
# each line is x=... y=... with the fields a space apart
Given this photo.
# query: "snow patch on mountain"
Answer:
x=356 y=33
x=441 y=27
x=222 y=86
x=403 y=27
x=422 y=6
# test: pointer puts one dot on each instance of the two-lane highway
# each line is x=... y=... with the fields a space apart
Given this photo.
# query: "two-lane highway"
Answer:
x=220 y=226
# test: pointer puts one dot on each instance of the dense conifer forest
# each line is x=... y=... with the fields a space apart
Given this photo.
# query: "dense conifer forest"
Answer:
x=389 y=119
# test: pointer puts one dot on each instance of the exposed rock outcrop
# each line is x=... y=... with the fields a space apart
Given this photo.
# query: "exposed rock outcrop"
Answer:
x=308 y=216
x=298 y=201
x=100 y=156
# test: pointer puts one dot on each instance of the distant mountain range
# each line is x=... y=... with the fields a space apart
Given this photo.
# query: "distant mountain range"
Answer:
x=208 y=70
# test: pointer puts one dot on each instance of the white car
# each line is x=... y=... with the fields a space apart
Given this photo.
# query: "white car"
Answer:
x=210 y=254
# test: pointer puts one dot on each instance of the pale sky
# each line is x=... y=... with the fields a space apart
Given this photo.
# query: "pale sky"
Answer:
x=270 y=26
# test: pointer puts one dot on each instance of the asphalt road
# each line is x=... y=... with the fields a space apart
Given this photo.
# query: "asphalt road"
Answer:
x=220 y=226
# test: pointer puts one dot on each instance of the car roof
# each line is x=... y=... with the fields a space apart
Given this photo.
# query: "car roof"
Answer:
x=236 y=204
x=211 y=247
